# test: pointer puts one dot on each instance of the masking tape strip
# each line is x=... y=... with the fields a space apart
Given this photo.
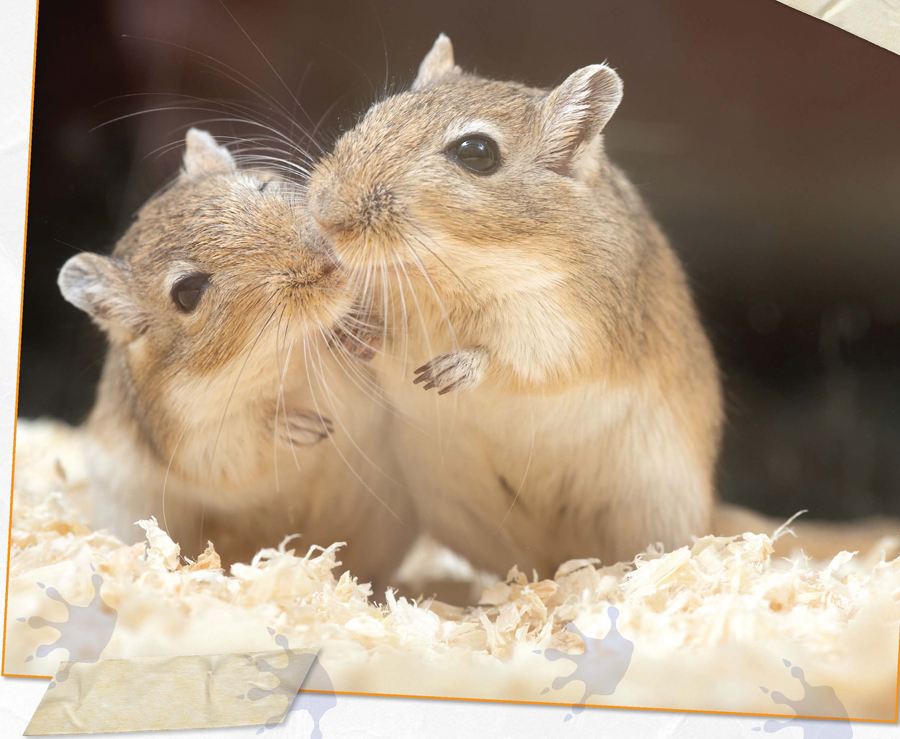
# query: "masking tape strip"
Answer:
x=198 y=691
x=877 y=21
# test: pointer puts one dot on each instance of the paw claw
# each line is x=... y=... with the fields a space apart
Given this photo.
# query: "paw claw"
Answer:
x=360 y=337
x=358 y=346
x=304 y=428
x=453 y=371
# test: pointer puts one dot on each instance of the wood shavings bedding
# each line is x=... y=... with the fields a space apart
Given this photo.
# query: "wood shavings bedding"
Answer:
x=708 y=624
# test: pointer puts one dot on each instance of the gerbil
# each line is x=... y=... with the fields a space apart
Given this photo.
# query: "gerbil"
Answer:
x=522 y=271
x=228 y=406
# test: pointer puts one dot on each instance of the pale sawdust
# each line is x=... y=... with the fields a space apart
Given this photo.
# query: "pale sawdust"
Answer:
x=710 y=623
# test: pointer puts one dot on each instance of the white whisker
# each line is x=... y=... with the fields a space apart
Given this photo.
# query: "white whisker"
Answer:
x=337 y=448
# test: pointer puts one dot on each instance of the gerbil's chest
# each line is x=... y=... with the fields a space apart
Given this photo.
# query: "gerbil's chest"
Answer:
x=247 y=430
x=532 y=443
x=506 y=471
x=530 y=345
x=531 y=333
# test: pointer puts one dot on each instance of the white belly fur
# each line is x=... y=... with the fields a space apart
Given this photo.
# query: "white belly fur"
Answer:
x=599 y=472
x=328 y=492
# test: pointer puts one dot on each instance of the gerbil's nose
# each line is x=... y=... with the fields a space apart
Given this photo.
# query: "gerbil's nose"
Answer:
x=325 y=208
x=327 y=266
x=339 y=208
x=323 y=262
x=313 y=271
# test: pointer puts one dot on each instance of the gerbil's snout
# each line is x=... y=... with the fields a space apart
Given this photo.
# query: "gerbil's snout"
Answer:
x=321 y=269
x=316 y=270
x=369 y=207
x=355 y=217
x=326 y=267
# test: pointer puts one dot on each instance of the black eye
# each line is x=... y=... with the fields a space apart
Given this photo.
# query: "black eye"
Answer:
x=187 y=291
x=478 y=153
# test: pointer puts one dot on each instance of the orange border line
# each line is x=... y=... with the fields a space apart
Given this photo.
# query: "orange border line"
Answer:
x=897 y=688
x=595 y=705
x=3 y=672
x=569 y=705
x=12 y=480
x=895 y=720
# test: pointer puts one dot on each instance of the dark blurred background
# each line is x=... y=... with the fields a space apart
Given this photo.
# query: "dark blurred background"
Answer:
x=767 y=143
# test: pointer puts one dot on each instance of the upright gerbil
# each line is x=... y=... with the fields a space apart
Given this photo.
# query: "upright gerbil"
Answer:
x=228 y=405
x=522 y=271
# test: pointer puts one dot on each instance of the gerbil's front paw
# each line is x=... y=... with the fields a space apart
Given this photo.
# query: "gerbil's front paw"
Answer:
x=360 y=334
x=302 y=428
x=459 y=370
x=362 y=344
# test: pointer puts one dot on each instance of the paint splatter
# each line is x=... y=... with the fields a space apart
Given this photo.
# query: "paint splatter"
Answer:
x=85 y=632
x=600 y=667
x=817 y=700
x=316 y=704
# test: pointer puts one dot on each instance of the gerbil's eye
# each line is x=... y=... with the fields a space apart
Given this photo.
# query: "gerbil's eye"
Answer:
x=187 y=291
x=477 y=153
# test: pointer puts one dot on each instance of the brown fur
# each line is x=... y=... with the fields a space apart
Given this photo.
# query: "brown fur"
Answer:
x=224 y=407
x=548 y=286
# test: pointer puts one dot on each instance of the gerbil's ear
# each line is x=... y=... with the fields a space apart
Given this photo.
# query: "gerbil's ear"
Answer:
x=573 y=115
x=437 y=63
x=99 y=286
x=203 y=156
